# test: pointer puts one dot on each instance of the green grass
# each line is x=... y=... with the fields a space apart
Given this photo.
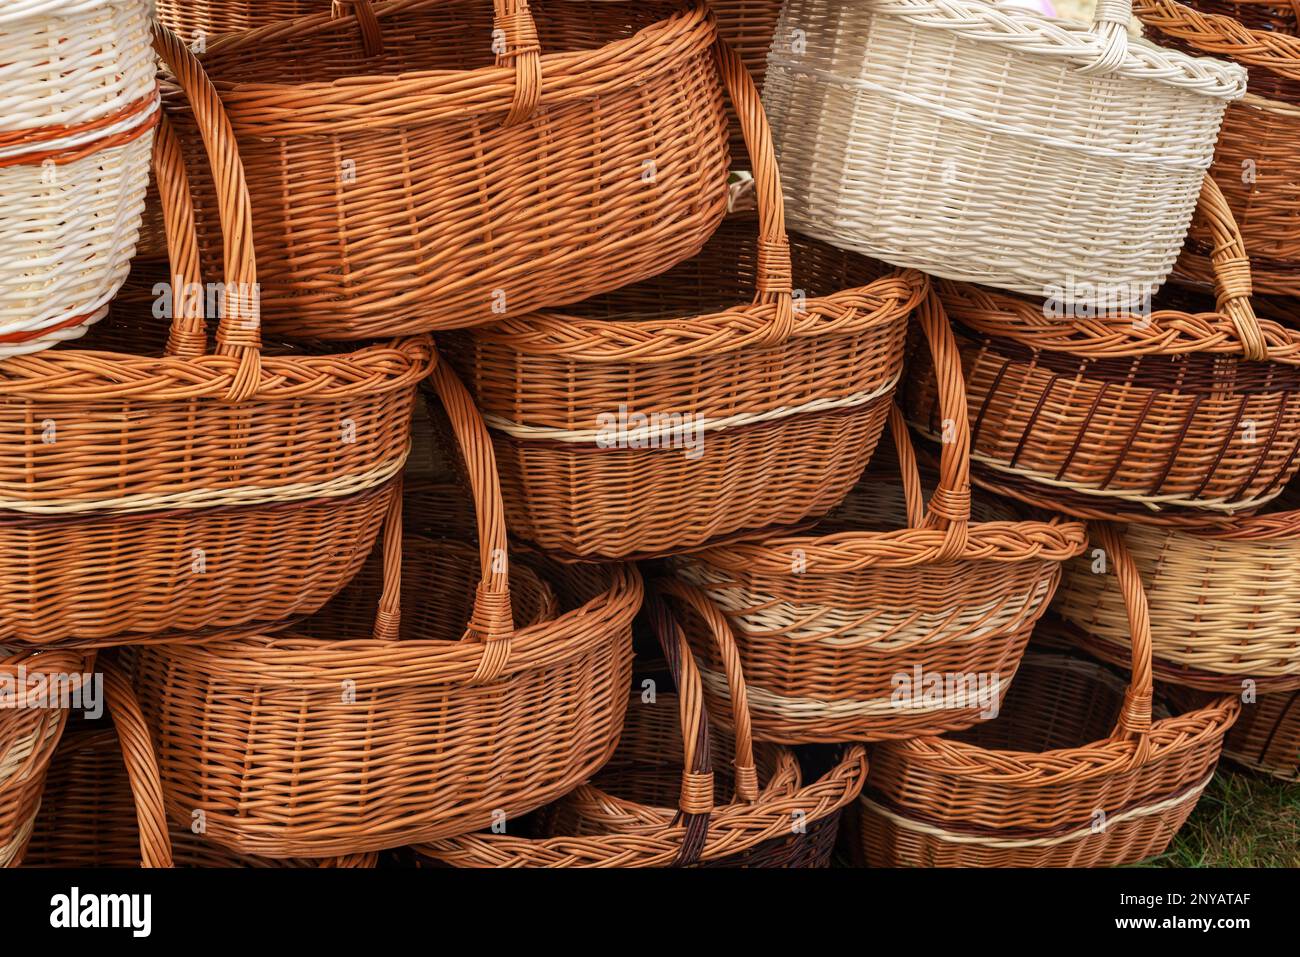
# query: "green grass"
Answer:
x=1242 y=820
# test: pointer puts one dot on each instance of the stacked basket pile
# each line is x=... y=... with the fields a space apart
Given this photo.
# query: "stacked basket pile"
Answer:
x=447 y=348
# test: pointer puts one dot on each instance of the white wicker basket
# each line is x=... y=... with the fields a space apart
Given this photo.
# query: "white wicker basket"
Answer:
x=78 y=105
x=988 y=143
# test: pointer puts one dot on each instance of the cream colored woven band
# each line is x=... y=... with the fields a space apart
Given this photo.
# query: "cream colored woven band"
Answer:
x=648 y=434
x=951 y=837
x=204 y=498
x=804 y=708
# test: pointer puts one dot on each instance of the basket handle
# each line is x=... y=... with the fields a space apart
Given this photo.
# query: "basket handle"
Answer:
x=949 y=508
x=1110 y=25
x=141 y=768
x=696 y=801
x=372 y=34
x=720 y=630
x=239 y=330
x=774 y=283
x=514 y=41
x=1232 y=281
x=187 y=338
x=491 y=621
x=1134 y=722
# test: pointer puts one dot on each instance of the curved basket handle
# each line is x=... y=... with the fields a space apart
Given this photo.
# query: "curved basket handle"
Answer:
x=388 y=617
x=187 y=338
x=775 y=279
x=725 y=640
x=372 y=34
x=141 y=768
x=949 y=507
x=1110 y=25
x=239 y=330
x=697 y=798
x=491 y=621
x=514 y=41
x=1232 y=282
x=1134 y=722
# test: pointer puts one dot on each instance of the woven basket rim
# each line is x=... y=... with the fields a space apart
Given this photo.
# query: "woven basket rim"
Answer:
x=1073 y=40
x=1165 y=332
x=837 y=789
x=552 y=332
x=490 y=87
x=1072 y=765
x=283 y=660
x=1245 y=42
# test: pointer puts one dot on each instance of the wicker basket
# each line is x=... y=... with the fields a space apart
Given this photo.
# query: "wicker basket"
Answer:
x=841 y=629
x=673 y=411
x=1258 y=157
x=148 y=494
x=655 y=804
x=432 y=186
x=746 y=25
x=1178 y=416
x=422 y=730
x=103 y=803
x=1266 y=738
x=1031 y=789
x=30 y=728
x=988 y=143
x=1225 y=602
x=75 y=133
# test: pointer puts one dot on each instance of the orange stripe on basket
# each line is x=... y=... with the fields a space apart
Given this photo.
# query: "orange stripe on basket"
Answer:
x=27 y=335
x=44 y=134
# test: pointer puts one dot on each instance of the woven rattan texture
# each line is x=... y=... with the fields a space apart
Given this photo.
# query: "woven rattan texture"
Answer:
x=1266 y=738
x=144 y=483
x=1191 y=406
x=364 y=737
x=1076 y=771
x=1223 y=602
x=1257 y=160
x=29 y=732
x=802 y=418
x=80 y=103
x=828 y=622
x=986 y=143
x=669 y=795
x=429 y=186
x=88 y=817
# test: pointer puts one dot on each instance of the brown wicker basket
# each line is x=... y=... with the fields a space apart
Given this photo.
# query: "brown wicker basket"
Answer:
x=432 y=183
x=103 y=804
x=1266 y=738
x=419 y=733
x=30 y=728
x=1257 y=160
x=1175 y=416
x=746 y=25
x=1225 y=601
x=665 y=414
x=840 y=629
x=1031 y=788
x=151 y=493
x=654 y=804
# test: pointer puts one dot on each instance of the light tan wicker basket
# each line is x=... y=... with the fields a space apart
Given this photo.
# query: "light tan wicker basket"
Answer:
x=988 y=143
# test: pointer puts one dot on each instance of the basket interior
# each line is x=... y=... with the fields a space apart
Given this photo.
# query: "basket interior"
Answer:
x=439 y=576
x=430 y=36
x=723 y=276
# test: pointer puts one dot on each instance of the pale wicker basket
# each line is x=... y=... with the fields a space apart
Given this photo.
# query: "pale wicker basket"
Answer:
x=991 y=144
x=78 y=105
